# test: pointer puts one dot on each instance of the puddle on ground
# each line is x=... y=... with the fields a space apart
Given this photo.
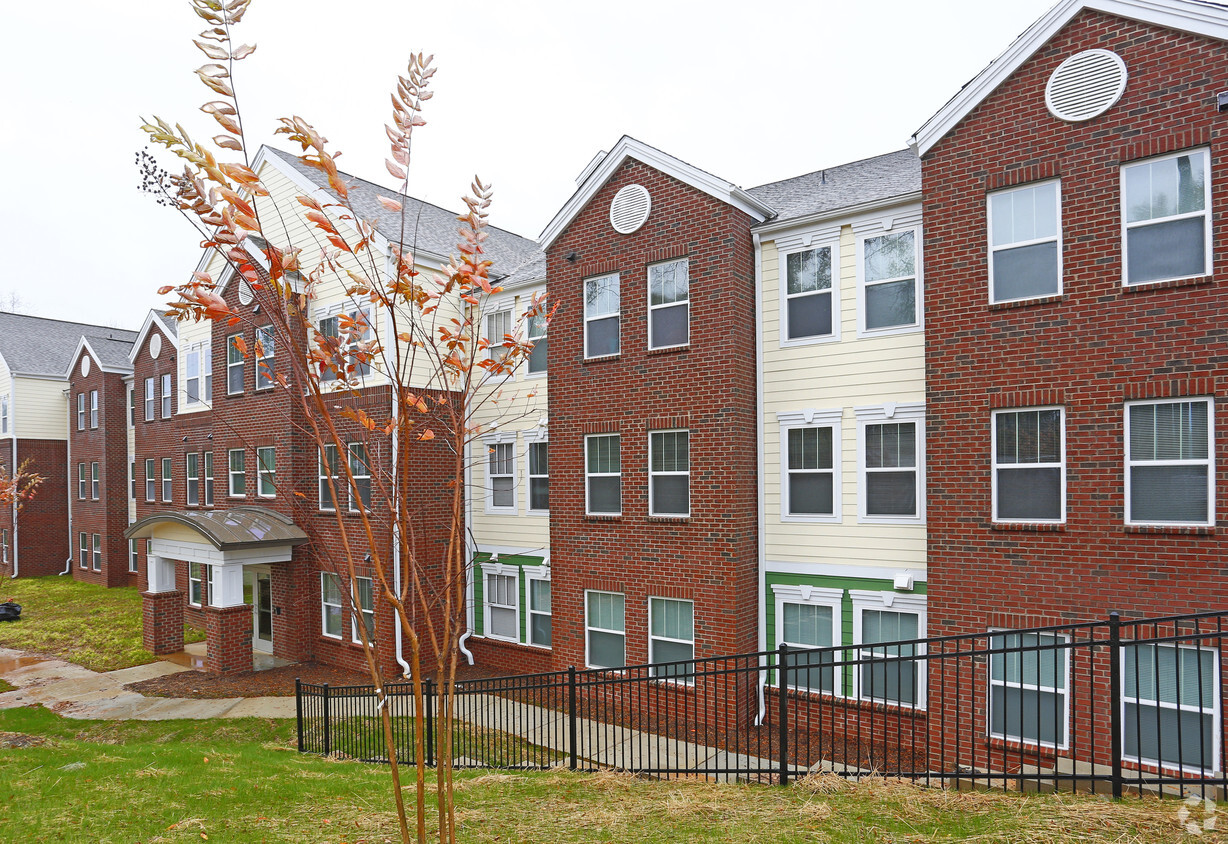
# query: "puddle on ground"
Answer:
x=196 y=662
x=8 y=664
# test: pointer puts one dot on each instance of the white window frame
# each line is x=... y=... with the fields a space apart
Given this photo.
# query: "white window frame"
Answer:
x=589 y=628
x=81 y=411
x=811 y=242
x=322 y=477
x=1216 y=703
x=536 y=574
x=882 y=230
x=325 y=605
x=589 y=475
x=235 y=360
x=4 y=414
x=166 y=478
x=891 y=413
x=133 y=556
x=1208 y=241
x=1209 y=462
x=652 y=639
x=493 y=444
x=362 y=612
x=151 y=480
x=263 y=472
x=191 y=479
x=82 y=482
x=197 y=578
x=680 y=303
x=654 y=474
x=810 y=418
x=167 y=393
x=83 y=540
x=266 y=358
x=992 y=247
x=93 y=410
x=95 y=481
x=131 y=393
x=231 y=474
x=361 y=370
x=536 y=437
x=530 y=326
x=995 y=466
x=97 y=566
x=863 y=600
x=502 y=311
x=132 y=479
x=151 y=398
x=814 y=596
x=360 y=469
x=490 y=570
x=991 y=683
x=208 y=476
x=616 y=315
x=201 y=355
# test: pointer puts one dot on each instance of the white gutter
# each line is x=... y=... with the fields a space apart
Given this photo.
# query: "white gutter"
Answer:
x=760 y=516
x=840 y=213
x=68 y=470
x=16 y=555
x=469 y=620
x=406 y=668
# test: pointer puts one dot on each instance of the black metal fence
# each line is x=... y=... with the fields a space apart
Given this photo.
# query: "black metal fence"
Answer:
x=1117 y=706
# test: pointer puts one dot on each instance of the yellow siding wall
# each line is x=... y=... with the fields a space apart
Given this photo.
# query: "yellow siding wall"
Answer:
x=41 y=411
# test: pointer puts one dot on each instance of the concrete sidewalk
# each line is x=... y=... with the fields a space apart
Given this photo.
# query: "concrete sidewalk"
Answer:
x=76 y=692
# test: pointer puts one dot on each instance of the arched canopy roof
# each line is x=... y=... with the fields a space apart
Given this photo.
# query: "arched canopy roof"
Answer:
x=232 y=529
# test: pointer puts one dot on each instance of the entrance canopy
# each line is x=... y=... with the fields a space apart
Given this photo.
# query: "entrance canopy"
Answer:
x=242 y=535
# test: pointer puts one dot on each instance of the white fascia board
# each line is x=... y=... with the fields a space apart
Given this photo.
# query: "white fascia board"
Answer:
x=905 y=203
x=152 y=320
x=630 y=148
x=1191 y=16
x=84 y=343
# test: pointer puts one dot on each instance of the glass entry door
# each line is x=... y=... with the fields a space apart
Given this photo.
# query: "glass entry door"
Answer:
x=258 y=589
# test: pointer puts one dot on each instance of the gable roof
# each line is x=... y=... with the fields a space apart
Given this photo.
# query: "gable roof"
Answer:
x=110 y=353
x=47 y=347
x=869 y=180
x=154 y=320
x=628 y=147
x=429 y=228
x=1194 y=16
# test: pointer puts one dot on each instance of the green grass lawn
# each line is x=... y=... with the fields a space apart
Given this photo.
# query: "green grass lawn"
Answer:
x=90 y=625
x=242 y=781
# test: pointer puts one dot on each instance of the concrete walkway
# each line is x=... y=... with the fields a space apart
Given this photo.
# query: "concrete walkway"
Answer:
x=76 y=692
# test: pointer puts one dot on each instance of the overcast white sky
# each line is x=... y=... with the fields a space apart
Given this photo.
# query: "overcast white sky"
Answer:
x=526 y=94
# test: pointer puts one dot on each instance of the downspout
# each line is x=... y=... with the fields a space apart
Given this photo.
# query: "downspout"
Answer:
x=68 y=480
x=760 y=515
x=460 y=643
x=406 y=668
x=13 y=440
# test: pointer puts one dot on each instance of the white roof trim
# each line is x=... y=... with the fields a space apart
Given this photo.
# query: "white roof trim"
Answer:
x=1190 y=16
x=627 y=147
x=84 y=343
x=151 y=319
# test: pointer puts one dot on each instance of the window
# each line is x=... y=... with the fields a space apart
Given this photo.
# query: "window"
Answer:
x=350 y=329
x=84 y=544
x=603 y=474
x=1027 y=688
x=889 y=280
x=810 y=306
x=1025 y=248
x=361 y=470
x=330 y=605
x=605 y=630
x=671 y=638
x=151 y=481
x=97 y=552
x=502 y=594
x=80 y=411
x=131 y=407
x=166 y=478
x=266 y=472
x=4 y=545
x=890 y=446
x=1168 y=463
x=266 y=353
x=94 y=481
x=501 y=472
x=669 y=294
x=806 y=620
x=884 y=628
x=237 y=472
x=234 y=365
x=132 y=479
x=810 y=477
x=198 y=372
x=539 y=476
x=1029 y=467
x=366 y=605
x=669 y=473
x=150 y=399
x=166 y=396
x=1167 y=230
x=1171 y=706
x=82 y=481
x=4 y=414
x=196 y=589
x=601 y=316
x=330 y=467
x=539 y=611
x=192 y=478
x=133 y=559
x=537 y=336
x=208 y=478
x=93 y=408
x=498 y=326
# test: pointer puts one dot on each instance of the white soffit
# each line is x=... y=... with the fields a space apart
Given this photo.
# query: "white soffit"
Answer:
x=1198 y=18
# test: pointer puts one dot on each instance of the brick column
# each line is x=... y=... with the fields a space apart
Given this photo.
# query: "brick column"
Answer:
x=162 y=618
x=229 y=631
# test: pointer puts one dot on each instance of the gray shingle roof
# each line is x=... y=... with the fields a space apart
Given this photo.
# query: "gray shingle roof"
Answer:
x=169 y=322
x=858 y=182
x=428 y=227
x=38 y=346
x=112 y=351
x=533 y=269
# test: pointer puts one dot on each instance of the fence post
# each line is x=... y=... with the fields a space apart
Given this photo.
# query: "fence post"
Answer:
x=572 y=724
x=1115 y=698
x=298 y=709
x=428 y=710
x=782 y=698
x=328 y=725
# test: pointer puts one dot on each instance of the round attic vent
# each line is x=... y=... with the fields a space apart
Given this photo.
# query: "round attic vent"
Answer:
x=630 y=208
x=1086 y=85
x=85 y=365
x=155 y=345
x=245 y=293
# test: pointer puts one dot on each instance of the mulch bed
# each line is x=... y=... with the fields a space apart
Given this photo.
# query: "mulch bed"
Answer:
x=275 y=682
